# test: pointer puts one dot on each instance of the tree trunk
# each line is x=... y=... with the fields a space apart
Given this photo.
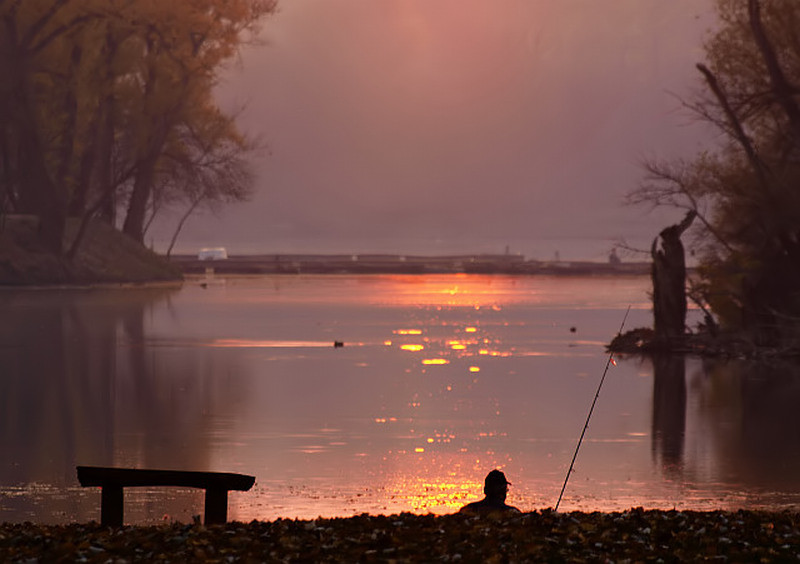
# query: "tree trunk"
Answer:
x=66 y=171
x=102 y=180
x=783 y=91
x=148 y=157
x=45 y=200
x=38 y=193
x=669 y=282
x=95 y=172
x=736 y=126
x=142 y=188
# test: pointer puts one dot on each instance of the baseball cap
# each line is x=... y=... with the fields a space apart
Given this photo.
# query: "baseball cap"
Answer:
x=496 y=477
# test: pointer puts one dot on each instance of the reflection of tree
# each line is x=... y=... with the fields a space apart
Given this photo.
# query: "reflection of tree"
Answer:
x=56 y=405
x=746 y=427
x=81 y=384
x=759 y=436
x=669 y=410
x=51 y=356
x=771 y=425
x=744 y=421
x=167 y=398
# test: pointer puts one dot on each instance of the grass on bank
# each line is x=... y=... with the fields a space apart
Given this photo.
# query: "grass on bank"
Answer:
x=105 y=256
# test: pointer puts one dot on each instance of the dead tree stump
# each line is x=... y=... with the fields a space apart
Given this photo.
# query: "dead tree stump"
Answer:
x=669 y=282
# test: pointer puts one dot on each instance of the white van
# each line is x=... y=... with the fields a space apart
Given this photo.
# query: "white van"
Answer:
x=213 y=253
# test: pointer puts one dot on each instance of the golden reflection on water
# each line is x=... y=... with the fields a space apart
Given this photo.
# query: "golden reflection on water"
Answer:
x=449 y=291
x=450 y=342
x=436 y=481
x=423 y=494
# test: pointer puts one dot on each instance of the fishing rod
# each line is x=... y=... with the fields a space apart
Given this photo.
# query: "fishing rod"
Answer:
x=591 y=409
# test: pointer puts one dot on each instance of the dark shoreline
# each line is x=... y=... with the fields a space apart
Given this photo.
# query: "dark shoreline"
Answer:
x=636 y=535
x=400 y=264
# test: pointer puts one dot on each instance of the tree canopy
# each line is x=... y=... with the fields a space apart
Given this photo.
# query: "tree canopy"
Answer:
x=107 y=109
x=746 y=191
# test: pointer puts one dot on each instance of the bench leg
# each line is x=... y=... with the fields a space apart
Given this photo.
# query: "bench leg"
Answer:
x=216 y=510
x=111 y=506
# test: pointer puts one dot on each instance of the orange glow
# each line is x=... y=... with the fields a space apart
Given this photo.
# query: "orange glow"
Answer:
x=435 y=494
x=250 y=343
x=445 y=347
x=470 y=329
x=407 y=331
x=474 y=369
x=446 y=290
x=438 y=483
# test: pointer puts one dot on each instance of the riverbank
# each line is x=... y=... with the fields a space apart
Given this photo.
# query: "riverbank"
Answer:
x=636 y=535
x=643 y=341
x=105 y=256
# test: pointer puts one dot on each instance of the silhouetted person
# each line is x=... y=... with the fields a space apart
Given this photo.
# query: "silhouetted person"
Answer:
x=495 y=487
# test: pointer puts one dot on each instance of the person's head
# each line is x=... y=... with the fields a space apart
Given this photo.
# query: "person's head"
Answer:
x=496 y=485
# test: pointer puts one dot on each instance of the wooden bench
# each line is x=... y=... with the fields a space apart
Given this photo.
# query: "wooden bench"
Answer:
x=113 y=480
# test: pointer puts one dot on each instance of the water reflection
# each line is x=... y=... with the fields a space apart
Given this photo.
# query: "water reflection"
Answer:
x=669 y=411
x=750 y=421
x=52 y=351
x=728 y=433
x=440 y=379
x=81 y=386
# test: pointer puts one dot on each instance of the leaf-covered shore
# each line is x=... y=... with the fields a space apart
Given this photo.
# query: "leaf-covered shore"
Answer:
x=106 y=256
x=636 y=535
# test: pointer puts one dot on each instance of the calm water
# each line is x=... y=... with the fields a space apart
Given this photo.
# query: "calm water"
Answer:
x=441 y=379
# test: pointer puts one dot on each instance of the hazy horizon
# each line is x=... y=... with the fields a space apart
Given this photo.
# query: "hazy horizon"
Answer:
x=457 y=127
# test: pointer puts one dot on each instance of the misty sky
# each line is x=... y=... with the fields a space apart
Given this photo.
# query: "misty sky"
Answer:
x=442 y=126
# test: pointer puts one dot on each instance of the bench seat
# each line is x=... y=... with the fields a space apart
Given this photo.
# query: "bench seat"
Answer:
x=113 y=480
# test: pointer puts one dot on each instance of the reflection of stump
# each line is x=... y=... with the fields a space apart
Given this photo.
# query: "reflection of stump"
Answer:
x=669 y=281
x=669 y=409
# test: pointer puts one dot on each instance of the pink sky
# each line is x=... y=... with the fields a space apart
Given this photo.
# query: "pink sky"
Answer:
x=438 y=126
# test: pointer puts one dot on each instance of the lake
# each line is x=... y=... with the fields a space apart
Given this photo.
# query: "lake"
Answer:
x=440 y=379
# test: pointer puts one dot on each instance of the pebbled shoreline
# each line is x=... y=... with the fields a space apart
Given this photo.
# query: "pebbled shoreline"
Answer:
x=636 y=535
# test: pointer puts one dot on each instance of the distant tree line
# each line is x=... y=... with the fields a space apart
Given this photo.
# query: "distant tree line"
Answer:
x=107 y=110
x=745 y=192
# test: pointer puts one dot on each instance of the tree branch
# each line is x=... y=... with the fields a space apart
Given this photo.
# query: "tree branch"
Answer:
x=783 y=91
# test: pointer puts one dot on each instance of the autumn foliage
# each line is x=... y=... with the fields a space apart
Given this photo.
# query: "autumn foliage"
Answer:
x=546 y=536
x=746 y=191
x=107 y=109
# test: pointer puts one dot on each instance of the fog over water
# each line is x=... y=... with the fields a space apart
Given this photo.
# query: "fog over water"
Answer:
x=458 y=126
